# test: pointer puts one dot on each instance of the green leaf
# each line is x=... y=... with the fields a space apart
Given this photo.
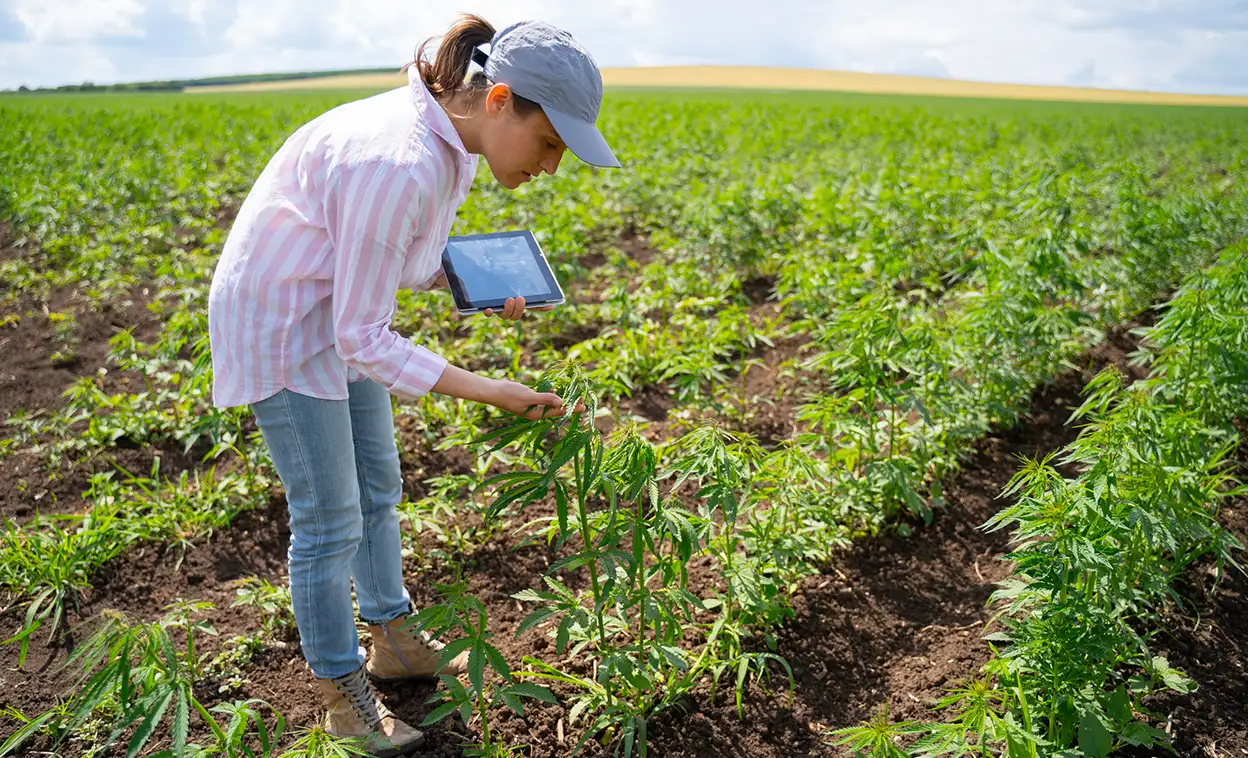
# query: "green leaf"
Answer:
x=496 y=661
x=533 y=596
x=439 y=713
x=571 y=563
x=535 y=618
x=512 y=702
x=535 y=691
x=144 y=732
x=561 y=507
x=1094 y=739
x=577 y=709
x=476 y=666
x=181 y=719
x=1173 y=678
x=1135 y=733
x=27 y=731
x=453 y=649
x=1118 y=706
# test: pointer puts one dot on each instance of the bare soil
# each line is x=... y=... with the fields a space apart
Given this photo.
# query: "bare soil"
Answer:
x=32 y=382
x=891 y=619
x=1208 y=641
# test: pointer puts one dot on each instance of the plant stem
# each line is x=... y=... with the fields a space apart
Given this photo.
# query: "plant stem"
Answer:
x=207 y=717
x=483 y=709
x=190 y=646
x=587 y=538
x=640 y=569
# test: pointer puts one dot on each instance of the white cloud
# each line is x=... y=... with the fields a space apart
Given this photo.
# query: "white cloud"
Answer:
x=1179 y=45
x=69 y=21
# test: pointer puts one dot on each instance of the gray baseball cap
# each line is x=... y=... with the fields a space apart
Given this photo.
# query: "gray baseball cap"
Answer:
x=546 y=65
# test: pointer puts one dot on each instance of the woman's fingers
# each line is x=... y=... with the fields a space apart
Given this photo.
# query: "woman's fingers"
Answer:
x=548 y=404
x=513 y=309
x=550 y=399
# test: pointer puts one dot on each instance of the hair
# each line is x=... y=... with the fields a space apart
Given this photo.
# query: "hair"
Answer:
x=447 y=75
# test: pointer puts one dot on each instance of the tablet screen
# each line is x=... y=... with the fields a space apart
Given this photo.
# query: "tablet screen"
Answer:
x=492 y=268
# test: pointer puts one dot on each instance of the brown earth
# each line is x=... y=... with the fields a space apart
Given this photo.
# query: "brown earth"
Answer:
x=1208 y=641
x=890 y=620
x=32 y=382
x=30 y=379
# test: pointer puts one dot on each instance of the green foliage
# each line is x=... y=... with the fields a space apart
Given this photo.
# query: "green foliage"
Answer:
x=272 y=602
x=935 y=262
x=137 y=673
x=1095 y=555
x=490 y=681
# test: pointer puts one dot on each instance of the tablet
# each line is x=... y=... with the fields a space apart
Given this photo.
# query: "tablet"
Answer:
x=483 y=270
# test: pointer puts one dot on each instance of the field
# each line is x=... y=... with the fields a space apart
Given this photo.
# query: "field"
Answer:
x=914 y=429
x=775 y=79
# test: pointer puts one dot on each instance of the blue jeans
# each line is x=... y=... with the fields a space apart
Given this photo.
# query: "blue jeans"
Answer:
x=339 y=465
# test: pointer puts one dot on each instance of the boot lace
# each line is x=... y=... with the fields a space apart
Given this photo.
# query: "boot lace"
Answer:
x=363 y=699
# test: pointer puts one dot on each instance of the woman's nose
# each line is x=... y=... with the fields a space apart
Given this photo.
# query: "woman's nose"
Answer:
x=551 y=164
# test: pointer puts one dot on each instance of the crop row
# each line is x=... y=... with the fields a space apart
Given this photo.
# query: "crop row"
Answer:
x=1095 y=554
x=939 y=265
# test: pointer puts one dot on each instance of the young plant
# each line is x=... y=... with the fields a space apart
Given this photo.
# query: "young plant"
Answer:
x=65 y=333
x=633 y=548
x=273 y=602
x=724 y=466
x=554 y=443
x=490 y=681
x=426 y=516
x=247 y=734
x=50 y=567
x=877 y=737
x=315 y=742
x=137 y=673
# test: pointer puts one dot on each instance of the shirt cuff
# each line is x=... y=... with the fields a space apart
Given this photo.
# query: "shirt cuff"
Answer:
x=425 y=285
x=423 y=370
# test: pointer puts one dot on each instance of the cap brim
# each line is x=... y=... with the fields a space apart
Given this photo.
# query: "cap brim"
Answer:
x=583 y=139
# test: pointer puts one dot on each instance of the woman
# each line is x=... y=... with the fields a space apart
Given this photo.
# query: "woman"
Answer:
x=356 y=204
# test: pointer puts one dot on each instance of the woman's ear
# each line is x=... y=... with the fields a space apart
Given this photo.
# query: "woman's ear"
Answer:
x=497 y=98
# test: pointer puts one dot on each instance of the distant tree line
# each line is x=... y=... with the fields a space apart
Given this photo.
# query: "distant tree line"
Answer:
x=175 y=85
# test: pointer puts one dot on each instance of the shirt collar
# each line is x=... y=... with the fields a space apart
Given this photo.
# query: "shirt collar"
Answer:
x=431 y=111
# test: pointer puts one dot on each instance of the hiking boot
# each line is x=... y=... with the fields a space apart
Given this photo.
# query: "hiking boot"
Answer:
x=356 y=711
x=404 y=653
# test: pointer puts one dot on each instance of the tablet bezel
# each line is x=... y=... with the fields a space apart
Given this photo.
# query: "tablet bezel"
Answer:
x=464 y=305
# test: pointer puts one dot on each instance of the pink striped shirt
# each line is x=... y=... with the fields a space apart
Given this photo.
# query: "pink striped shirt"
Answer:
x=356 y=204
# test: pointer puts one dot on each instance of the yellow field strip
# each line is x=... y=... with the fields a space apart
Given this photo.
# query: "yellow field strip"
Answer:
x=763 y=78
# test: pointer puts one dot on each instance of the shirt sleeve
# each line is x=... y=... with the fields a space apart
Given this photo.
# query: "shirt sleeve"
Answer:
x=428 y=283
x=371 y=210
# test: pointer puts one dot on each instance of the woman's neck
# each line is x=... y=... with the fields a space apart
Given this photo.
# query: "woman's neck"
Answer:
x=466 y=118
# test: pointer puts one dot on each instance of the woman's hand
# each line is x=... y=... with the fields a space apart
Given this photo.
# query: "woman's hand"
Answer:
x=510 y=396
x=513 y=309
x=517 y=398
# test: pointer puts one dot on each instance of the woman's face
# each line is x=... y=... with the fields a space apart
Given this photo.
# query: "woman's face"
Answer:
x=517 y=147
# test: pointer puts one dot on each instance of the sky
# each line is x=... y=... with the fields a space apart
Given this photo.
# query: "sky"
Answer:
x=1197 y=46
